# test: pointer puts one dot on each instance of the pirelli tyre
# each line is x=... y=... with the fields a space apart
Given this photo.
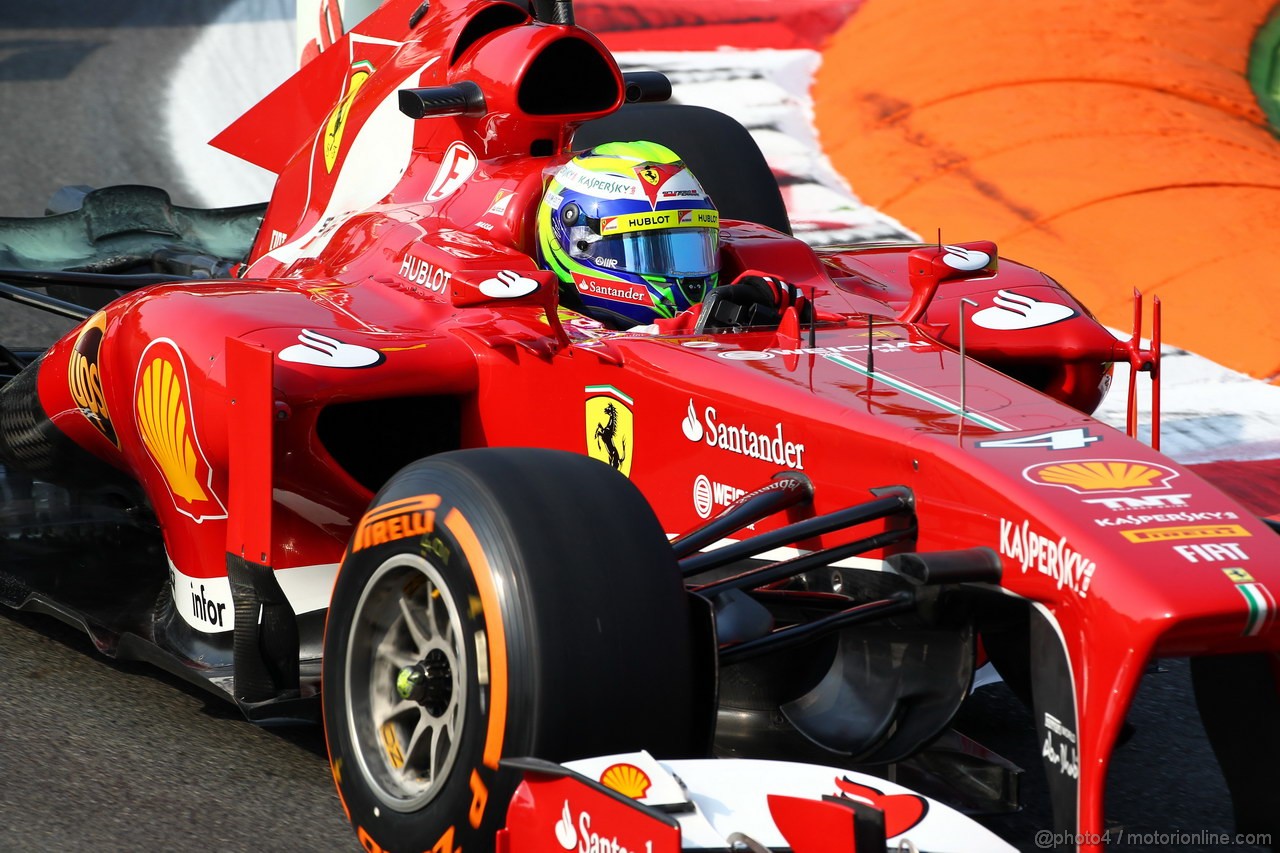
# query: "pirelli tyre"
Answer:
x=494 y=603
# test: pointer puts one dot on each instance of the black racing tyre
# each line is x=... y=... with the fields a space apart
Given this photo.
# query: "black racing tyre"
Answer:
x=500 y=603
x=719 y=151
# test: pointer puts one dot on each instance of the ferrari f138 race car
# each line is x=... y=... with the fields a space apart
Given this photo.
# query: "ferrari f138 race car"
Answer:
x=355 y=454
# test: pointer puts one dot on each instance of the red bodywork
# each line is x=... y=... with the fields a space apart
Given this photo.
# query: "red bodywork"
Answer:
x=386 y=234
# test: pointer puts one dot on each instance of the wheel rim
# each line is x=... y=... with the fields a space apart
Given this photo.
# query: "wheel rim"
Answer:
x=405 y=682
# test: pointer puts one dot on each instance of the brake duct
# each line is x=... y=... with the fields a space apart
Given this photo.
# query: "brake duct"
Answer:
x=868 y=680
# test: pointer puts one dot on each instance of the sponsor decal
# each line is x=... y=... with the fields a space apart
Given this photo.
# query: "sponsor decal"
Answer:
x=415 y=516
x=84 y=376
x=707 y=495
x=610 y=428
x=742 y=440
x=1091 y=476
x=576 y=178
x=1211 y=552
x=1261 y=608
x=566 y=835
x=765 y=355
x=626 y=779
x=1013 y=311
x=458 y=165
x=902 y=812
x=167 y=427
x=417 y=271
x=324 y=351
x=277 y=239
x=624 y=291
x=208 y=610
x=584 y=839
x=1052 y=558
x=1238 y=575
x=653 y=176
x=204 y=603
x=1162 y=517
x=700 y=343
x=659 y=219
x=501 y=200
x=1060 y=439
x=337 y=123
x=1060 y=748
x=1166 y=534
x=1144 y=502
x=703 y=500
x=691 y=426
x=966 y=260
x=508 y=285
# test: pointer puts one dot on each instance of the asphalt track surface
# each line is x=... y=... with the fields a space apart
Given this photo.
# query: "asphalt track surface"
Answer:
x=97 y=755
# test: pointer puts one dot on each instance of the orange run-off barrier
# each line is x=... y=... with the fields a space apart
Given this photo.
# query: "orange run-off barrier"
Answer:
x=1114 y=145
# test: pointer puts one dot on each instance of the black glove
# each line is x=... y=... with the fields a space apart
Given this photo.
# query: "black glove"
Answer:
x=757 y=300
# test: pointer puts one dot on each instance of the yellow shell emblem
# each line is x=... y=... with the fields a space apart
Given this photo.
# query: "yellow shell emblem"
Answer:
x=162 y=404
x=1102 y=475
x=162 y=421
x=338 y=118
x=626 y=779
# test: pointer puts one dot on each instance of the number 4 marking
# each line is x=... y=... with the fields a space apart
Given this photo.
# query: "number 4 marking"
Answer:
x=1063 y=439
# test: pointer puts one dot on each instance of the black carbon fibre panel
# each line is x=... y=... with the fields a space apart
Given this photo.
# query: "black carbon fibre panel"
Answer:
x=29 y=442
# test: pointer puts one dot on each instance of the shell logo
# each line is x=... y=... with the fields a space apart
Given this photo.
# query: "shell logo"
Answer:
x=163 y=408
x=84 y=376
x=626 y=779
x=1092 y=476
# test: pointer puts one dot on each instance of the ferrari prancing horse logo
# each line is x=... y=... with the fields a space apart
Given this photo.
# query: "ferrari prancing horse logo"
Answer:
x=610 y=435
x=338 y=118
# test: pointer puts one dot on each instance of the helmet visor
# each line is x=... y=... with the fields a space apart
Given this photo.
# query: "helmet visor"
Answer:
x=672 y=252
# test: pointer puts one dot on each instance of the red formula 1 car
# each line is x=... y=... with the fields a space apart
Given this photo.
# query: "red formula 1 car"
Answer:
x=360 y=439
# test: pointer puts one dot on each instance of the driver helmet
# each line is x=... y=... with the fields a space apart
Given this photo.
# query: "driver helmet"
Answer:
x=630 y=229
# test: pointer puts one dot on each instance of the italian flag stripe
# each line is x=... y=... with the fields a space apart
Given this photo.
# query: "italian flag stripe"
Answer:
x=611 y=391
x=1262 y=607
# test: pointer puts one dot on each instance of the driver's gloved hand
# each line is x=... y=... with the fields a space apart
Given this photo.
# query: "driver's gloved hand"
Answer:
x=754 y=299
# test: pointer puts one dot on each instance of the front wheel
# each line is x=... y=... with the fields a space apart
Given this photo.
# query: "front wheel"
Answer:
x=493 y=603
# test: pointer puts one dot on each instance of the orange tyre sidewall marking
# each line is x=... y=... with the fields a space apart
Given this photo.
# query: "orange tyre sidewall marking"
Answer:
x=465 y=536
x=466 y=539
